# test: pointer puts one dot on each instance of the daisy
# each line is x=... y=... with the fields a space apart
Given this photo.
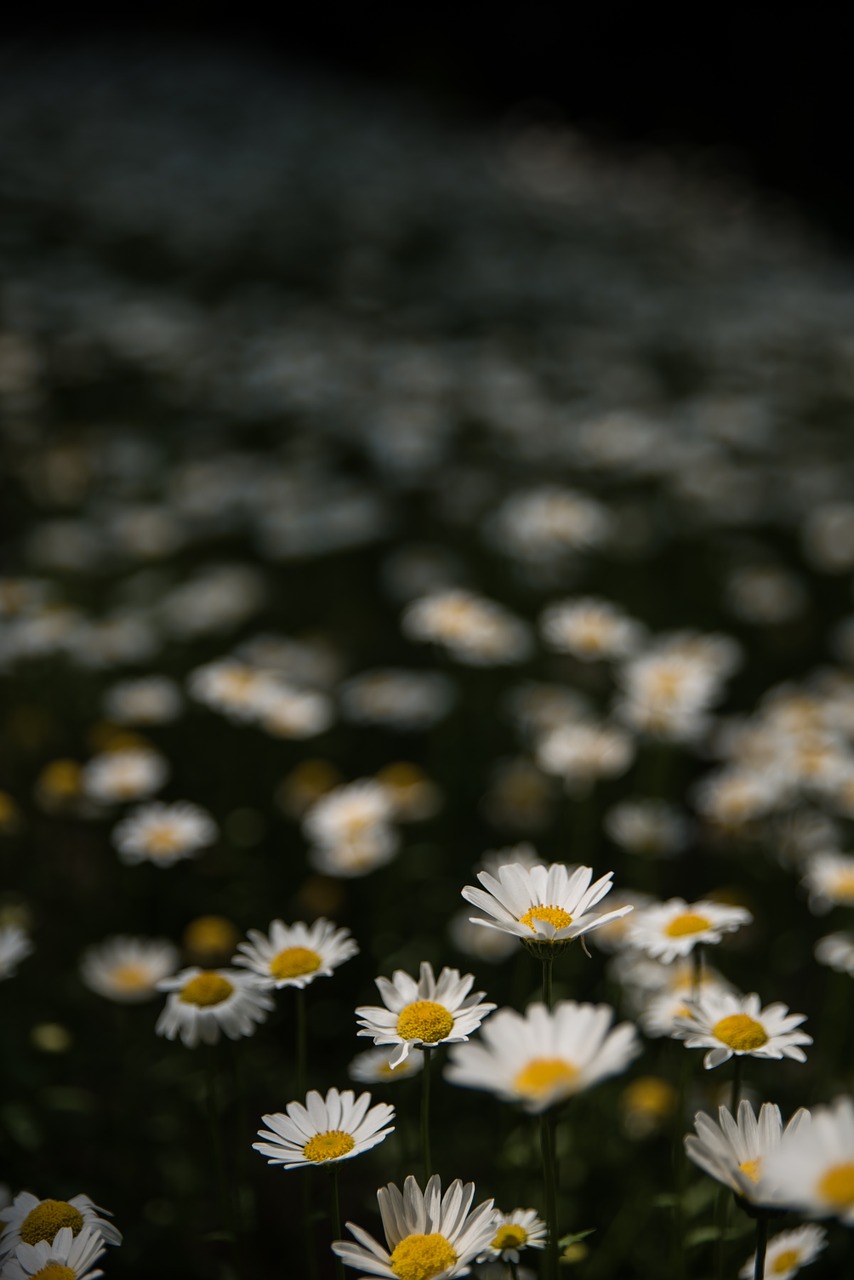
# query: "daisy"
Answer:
x=128 y=969
x=672 y=929
x=582 y=752
x=204 y=1002
x=406 y=701
x=515 y=1231
x=427 y=1012
x=15 y=946
x=374 y=1066
x=837 y=951
x=542 y=905
x=652 y=828
x=294 y=955
x=351 y=829
x=31 y=1221
x=324 y=1130
x=236 y=689
x=288 y=712
x=145 y=700
x=734 y=1150
x=164 y=833
x=813 y=1170
x=726 y=1023
x=428 y=1236
x=788 y=1252
x=118 y=776
x=67 y=1257
x=590 y=629
x=830 y=881
x=544 y=1056
x=473 y=629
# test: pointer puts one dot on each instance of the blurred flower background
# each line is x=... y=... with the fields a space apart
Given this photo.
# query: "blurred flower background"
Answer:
x=391 y=495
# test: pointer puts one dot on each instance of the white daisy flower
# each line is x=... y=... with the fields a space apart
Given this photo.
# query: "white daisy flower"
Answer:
x=128 y=969
x=813 y=1170
x=581 y=753
x=428 y=1236
x=403 y=700
x=29 y=1220
x=351 y=829
x=515 y=1231
x=236 y=689
x=542 y=904
x=427 y=1012
x=374 y=1066
x=67 y=1257
x=294 y=955
x=474 y=630
x=117 y=777
x=733 y=1150
x=15 y=946
x=788 y=1252
x=652 y=828
x=837 y=951
x=830 y=881
x=669 y=930
x=145 y=700
x=590 y=629
x=289 y=712
x=325 y=1130
x=202 y=1003
x=727 y=1023
x=164 y=833
x=658 y=1017
x=543 y=1056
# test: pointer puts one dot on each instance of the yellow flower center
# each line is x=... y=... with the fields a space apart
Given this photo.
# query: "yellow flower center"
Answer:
x=54 y=1271
x=43 y=1222
x=130 y=977
x=210 y=934
x=510 y=1236
x=542 y=1075
x=331 y=1145
x=649 y=1095
x=163 y=839
x=837 y=1185
x=843 y=886
x=740 y=1032
x=418 y=1257
x=686 y=923
x=206 y=989
x=552 y=915
x=785 y=1261
x=425 y=1020
x=292 y=962
x=751 y=1168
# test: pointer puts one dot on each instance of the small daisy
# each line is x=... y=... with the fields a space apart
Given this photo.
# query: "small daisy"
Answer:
x=325 y=1130
x=236 y=689
x=15 y=946
x=788 y=1252
x=515 y=1231
x=836 y=950
x=726 y=1023
x=374 y=1066
x=544 y=1056
x=164 y=833
x=652 y=828
x=813 y=1170
x=733 y=1151
x=830 y=881
x=583 y=752
x=145 y=700
x=672 y=929
x=473 y=630
x=128 y=969
x=542 y=905
x=29 y=1220
x=351 y=829
x=427 y=1012
x=590 y=629
x=204 y=1002
x=428 y=1236
x=294 y=955
x=67 y=1257
x=116 y=777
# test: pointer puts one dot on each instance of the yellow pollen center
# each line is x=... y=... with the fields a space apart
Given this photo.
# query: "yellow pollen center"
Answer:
x=206 y=989
x=43 y=1222
x=555 y=916
x=131 y=977
x=293 y=962
x=837 y=1185
x=425 y=1020
x=331 y=1145
x=163 y=839
x=542 y=1075
x=740 y=1032
x=510 y=1236
x=751 y=1168
x=689 y=922
x=418 y=1257
x=785 y=1261
x=54 y=1271
x=843 y=886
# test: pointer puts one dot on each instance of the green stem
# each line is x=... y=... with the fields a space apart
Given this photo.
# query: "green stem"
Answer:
x=335 y=1210
x=761 y=1245
x=308 y=1228
x=548 y=998
x=425 y=1113
x=302 y=1043
x=547 y=1146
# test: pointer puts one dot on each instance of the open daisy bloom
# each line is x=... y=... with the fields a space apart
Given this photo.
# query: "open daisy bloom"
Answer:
x=128 y=969
x=541 y=905
x=203 y=1003
x=31 y=1221
x=544 y=1056
x=734 y=1150
x=164 y=833
x=324 y=1130
x=671 y=930
x=294 y=955
x=66 y=1257
x=813 y=1169
x=428 y=1236
x=788 y=1252
x=515 y=1231
x=427 y=1012
x=727 y=1024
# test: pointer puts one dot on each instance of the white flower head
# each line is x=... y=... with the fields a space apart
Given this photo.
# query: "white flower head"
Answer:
x=813 y=1169
x=117 y=777
x=836 y=950
x=670 y=930
x=164 y=833
x=324 y=1130
x=351 y=829
x=31 y=1221
x=590 y=629
x=128 y=970
x=515 y=1231
x=294 y=955
x=474 y=630
x=727 y=1024
x=145 y=700
x=425 y=1012
x=203 y=1003
x=787 y=1252
x=427 y=1234
x=374 y=1066
x=68 y=1256
x=733 y=1150
x=15 y=946
x=544 y=1056
x=829 y=879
